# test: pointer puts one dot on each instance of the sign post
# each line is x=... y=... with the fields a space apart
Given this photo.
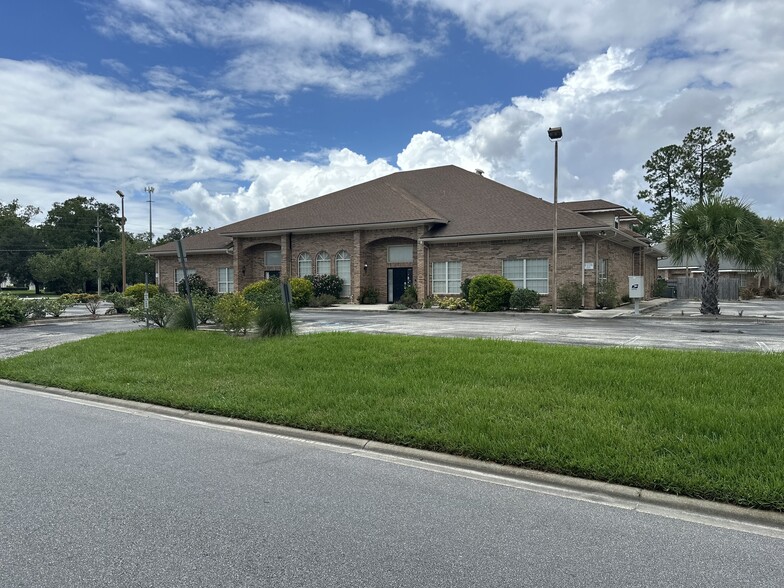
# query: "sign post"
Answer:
x=184 y=263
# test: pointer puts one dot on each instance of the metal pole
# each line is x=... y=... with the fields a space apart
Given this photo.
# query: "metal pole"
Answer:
x=122 y=222
x=150 y=190
x=98 y=243
x=555 y=231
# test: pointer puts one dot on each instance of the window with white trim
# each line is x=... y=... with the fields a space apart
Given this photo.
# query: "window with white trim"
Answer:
x=446 y=276
x=304 y=265
x=343 y=269
x=225 y=280
x=322 y=263
x=400 y=254
x=271 y=258
x=178 y=276
x=604 y=268
x=527 y=273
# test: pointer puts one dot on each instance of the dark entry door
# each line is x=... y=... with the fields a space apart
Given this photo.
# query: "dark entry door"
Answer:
x=398 y=279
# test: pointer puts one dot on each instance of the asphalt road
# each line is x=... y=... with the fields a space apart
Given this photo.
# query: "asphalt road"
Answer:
x=49 y=332
x=97 y=496
x=726 y=334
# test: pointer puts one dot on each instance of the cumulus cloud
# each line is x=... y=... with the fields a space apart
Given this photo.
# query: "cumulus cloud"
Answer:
x=278 y=48
x=64 y=132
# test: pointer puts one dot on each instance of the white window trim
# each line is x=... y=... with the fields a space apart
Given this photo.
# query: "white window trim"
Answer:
x=342 y=258
x=524 y=280
x=321 y=258
x=225 y=285
x=451 y=286
x=301 y=259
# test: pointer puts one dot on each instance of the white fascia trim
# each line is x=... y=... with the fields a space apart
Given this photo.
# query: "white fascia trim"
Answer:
x=223 y=251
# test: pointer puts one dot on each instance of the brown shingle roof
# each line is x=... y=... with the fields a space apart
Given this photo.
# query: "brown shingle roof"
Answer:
x=454 y=201
x=596 y=205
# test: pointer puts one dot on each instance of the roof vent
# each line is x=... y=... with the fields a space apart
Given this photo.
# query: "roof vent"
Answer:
x=481 y=172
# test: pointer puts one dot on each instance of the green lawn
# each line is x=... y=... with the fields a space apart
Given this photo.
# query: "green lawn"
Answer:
x=702 y=424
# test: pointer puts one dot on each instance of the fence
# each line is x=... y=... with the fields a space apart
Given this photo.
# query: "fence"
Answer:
x=687 y=288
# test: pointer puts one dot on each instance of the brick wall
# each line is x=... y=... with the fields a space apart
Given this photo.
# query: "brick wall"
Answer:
x=206 y=265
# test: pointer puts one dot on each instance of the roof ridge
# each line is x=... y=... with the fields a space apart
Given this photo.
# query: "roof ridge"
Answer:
x=415 y=202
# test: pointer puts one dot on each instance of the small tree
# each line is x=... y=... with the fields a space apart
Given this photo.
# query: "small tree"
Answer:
x=718 y=227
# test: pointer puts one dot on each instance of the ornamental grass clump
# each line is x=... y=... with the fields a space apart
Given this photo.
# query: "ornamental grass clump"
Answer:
x=273 y=321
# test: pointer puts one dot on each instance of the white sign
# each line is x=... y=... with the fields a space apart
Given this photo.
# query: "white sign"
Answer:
x=636 y=287
x=588 y=265
x=146 y=301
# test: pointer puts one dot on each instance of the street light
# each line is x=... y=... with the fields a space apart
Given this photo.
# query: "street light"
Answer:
x=122 y=225
x=555 y=134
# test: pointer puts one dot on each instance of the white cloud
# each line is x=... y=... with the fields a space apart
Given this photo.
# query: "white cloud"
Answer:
x=278 y=47
x=64 y=132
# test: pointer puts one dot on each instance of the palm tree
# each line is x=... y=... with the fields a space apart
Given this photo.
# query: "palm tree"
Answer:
x=719 y=226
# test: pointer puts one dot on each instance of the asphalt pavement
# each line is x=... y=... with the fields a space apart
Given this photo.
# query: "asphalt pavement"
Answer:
x=111 y=495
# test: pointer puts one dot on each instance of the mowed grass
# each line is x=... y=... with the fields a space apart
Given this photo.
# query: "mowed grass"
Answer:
x=701 y=424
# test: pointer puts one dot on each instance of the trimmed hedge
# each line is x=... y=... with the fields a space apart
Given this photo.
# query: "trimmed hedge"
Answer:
x=489 y=293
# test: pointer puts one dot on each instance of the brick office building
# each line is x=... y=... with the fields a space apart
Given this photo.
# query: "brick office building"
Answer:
x=431 y=228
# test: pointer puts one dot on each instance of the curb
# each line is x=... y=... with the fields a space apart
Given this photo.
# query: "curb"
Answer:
x=610 y=492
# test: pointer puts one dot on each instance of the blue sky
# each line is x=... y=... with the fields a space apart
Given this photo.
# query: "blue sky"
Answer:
x=232 y=108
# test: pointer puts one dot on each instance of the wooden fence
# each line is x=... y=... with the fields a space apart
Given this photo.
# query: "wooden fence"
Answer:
x=688 y=288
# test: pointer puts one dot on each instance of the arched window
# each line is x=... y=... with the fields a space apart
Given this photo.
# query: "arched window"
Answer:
x=304 y=265
x=343 y=269
x=322 y=263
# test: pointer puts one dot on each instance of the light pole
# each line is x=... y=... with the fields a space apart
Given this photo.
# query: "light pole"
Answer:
x=150 y=190
x=555 y=134
x=122 y=225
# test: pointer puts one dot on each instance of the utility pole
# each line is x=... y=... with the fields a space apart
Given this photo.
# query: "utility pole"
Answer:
x=122 y=221
x=150 y=190
x=98 y=243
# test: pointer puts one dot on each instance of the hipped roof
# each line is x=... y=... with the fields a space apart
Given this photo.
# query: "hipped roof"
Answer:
x=453 y=202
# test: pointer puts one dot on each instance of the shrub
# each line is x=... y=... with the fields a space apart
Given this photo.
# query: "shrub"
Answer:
x=626 y=299
x=263 y=293
x=770 y=292
x=204 y=307
x=322 y=300
x=162 y=308
x=34 y=308
x=301 y=291
x=137 y=292
x=570 y=295
x=273 y=320
x=369 y=296
x=523 y=298
x=181 y=318
x=77 y=298
x=92 y=302
x=397 y=306
x=56 y=306
x=409 y=297
x=197 y=285
x=12 y=311
x=489 y=293
x=607 y=294
x=329 y=284
x=545 y=308
x=659 y=287
x=465 y=286
x=746 y=294
x=234 y=313
x=121 y=303
x=450 y=303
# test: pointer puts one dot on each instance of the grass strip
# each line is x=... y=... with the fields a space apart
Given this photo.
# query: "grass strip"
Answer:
x=701 y=424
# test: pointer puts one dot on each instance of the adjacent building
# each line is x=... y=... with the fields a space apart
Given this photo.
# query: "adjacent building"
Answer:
x=431 y=228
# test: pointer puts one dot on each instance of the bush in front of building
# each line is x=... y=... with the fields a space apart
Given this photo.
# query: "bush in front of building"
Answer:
x=121 y=303
x=409 y=297
x=523 y=299
x=301 y=292
x=204 y=307
x=136 y=291
x=12 y=311
x=197 y=285
x=607 y=294
x=162 y=308
x=234 y=313
x=570 y=295
x=489 y=293
x=327 y=284
x=263 y=293
x=322 y=300
x=369 y=296
x=465 y=285
x=182 y=319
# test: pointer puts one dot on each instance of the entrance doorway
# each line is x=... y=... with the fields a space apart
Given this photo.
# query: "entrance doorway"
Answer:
x=398 y=279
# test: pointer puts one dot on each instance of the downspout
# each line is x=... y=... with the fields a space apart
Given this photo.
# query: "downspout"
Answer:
x=582 y=265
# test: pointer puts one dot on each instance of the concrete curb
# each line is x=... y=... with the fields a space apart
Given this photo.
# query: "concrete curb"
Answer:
x=606 y=490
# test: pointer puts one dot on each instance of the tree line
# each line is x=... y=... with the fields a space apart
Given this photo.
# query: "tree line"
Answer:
x=77 y=245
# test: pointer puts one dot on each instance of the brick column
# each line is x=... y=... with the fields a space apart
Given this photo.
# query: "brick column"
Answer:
x=357 y=264
x=421 y=268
